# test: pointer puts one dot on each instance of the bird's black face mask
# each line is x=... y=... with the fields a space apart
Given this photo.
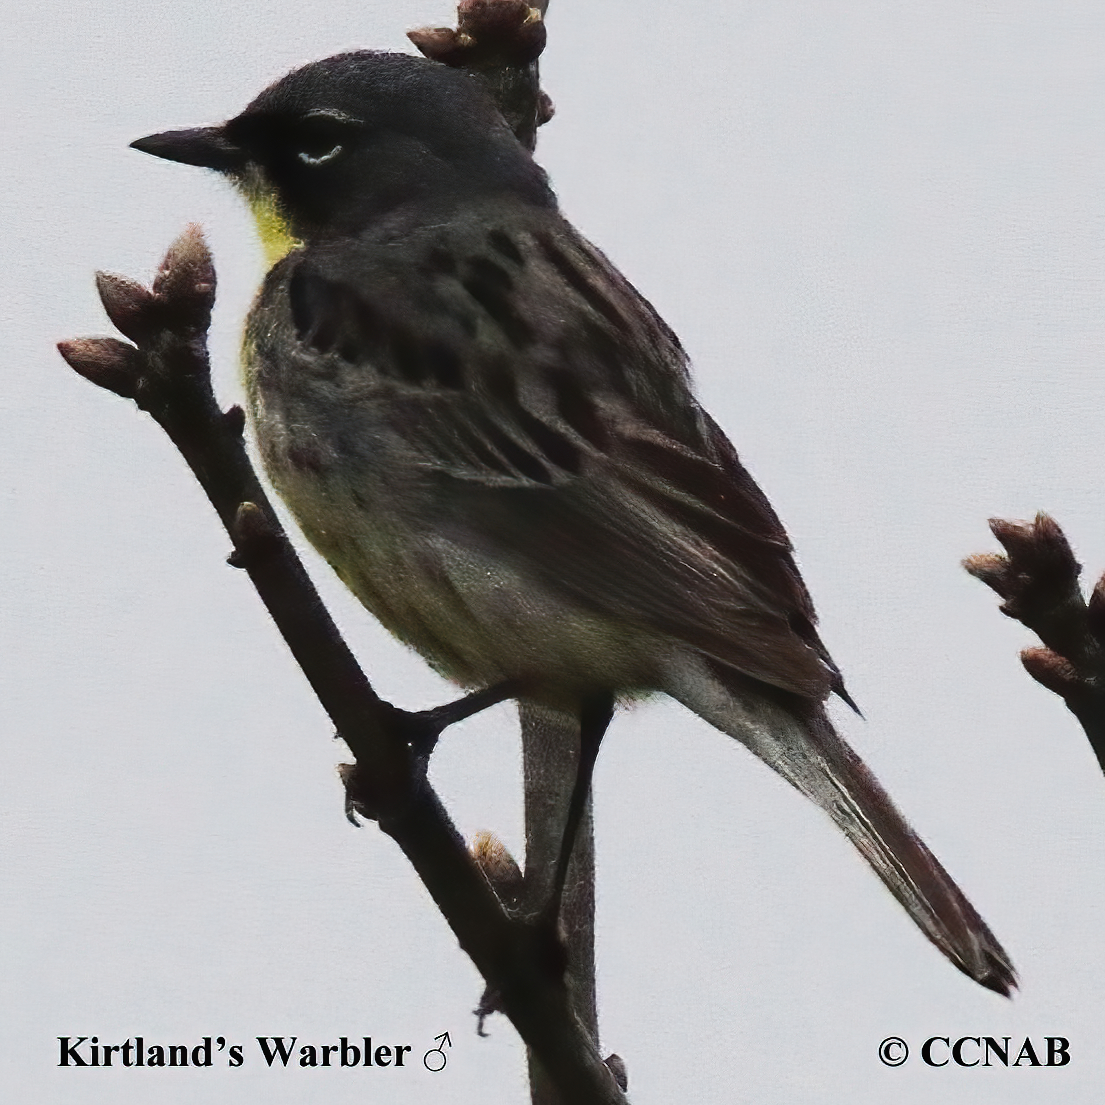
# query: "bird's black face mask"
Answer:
x=335 y=145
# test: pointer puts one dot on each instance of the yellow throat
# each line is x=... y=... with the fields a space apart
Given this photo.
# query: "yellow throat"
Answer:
x=273 y=228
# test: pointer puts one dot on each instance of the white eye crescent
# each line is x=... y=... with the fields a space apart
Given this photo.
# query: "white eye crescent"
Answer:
x=320 y=159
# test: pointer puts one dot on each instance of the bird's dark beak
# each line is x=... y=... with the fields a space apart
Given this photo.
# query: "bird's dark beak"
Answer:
x=205 y=146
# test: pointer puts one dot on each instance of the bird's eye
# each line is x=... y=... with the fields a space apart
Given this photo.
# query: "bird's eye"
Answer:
x=322 y=136
x=317 y=156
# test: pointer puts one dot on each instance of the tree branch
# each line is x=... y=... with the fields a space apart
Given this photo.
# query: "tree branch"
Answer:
x=167 y=373
x=1038 y=581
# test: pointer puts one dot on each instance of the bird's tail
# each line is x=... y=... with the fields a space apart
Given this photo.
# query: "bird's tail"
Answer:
x=815 y=759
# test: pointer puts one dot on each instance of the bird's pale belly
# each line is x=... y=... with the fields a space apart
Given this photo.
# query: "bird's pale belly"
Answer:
x=474 y=618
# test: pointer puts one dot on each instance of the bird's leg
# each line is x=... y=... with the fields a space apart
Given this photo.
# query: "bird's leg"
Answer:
x=594 y=718
x=426 y=726
x=421 y=730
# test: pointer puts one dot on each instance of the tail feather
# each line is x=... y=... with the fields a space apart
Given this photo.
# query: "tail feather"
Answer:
x=815 y=759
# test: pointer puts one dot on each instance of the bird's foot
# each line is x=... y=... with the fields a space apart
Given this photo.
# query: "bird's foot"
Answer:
x=422 y=728
x=490 y=1002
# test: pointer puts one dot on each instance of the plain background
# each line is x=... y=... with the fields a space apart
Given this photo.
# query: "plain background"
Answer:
x=878 y=229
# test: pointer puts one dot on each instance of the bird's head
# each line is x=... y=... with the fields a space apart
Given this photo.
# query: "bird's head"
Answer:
x=335 y=145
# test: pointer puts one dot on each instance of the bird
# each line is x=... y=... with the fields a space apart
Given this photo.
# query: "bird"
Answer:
x=494 y=440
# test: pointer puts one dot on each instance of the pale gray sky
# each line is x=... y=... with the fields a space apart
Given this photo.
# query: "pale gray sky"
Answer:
x=878 y=229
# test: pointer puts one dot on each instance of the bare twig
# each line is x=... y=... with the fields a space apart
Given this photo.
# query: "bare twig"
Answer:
x=1038 y=581
x=500 y=40
x=166 y=372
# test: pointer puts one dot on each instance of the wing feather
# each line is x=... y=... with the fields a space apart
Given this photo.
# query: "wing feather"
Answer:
x=562 y=435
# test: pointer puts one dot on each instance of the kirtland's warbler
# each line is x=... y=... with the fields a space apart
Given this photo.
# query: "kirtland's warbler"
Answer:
x=492 y=437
